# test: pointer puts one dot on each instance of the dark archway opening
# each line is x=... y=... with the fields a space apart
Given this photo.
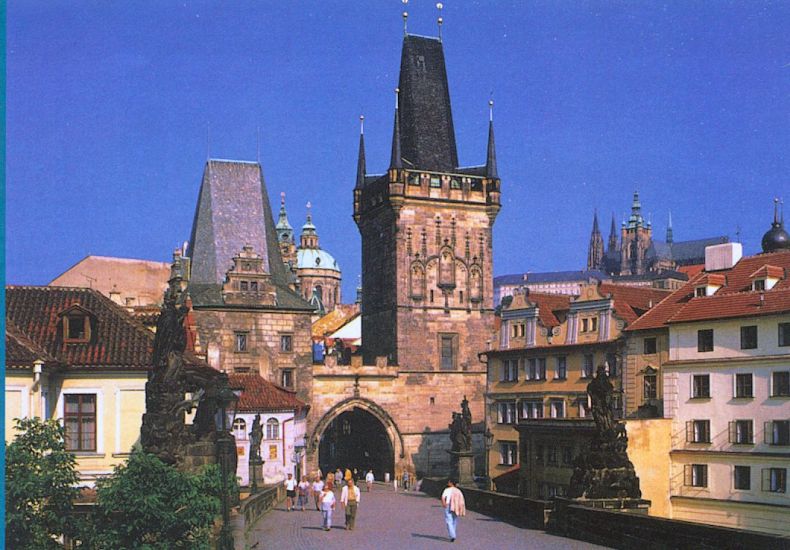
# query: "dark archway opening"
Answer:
x=356 y=439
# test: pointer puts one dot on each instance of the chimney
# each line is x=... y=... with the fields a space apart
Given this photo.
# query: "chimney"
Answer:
x=722 y=256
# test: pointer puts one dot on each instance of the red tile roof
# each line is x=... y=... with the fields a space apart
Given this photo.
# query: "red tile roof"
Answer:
x=116 y=338
x=21 y=351
x=735 y=299
x=548 y=306
x=692 y=270
x=259 y=395
x=630 y=302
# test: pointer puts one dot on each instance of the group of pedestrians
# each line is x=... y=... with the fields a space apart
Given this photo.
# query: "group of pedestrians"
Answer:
x=322 y=491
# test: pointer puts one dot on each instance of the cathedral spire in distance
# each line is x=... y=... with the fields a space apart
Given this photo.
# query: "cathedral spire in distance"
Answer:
x=491 y=169
x=670 y=237
x=595 y=251
x=612 y=246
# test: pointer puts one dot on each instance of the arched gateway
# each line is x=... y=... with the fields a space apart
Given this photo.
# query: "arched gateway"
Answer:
x=357 y=433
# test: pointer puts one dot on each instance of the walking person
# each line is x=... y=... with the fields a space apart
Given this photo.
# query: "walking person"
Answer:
x=290 y=492
x=349 y=499
x=327 y=505
x=318 y=487
x=302 y=491
x=369 y=479
x=454 y=506
x=339 y=478
x=405 y=480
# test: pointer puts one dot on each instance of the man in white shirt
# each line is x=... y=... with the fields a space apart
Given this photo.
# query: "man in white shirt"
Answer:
x=290 y=491
x=318 y=486
x=454 y=506
x=349 y=498
x=327 y=505
x=369 y=479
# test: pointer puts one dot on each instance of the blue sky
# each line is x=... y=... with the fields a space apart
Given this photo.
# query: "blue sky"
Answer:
x=108 y=105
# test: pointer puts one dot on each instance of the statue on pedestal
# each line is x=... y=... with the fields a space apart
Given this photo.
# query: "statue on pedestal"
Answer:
x=604 y=471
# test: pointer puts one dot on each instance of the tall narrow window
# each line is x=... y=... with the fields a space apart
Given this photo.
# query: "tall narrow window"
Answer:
x=742 y=478
x=272 y=429
x=649 y=346
x=742 y=432
x=650 y=386
x=743 y=385
x=508 y=453
x=587 y=366
x=79 y=420
x=780 y=384
x=700 y=386
x=447 y=345
x=698 y=431
x=696 y=475
x=784 y=334
x=562 y=368
x=557 y=408
x=241 y=342
x=240 y=429
x=286 y=343
x=749 y=337
x=705 y=340
x=287 y=378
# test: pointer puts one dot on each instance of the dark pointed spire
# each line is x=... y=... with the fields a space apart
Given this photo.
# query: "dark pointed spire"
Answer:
x=595 y=250
x=613 y=235
x=595 y=223
x=670 y=237
x=361 y=159
x=426 y=121
x=396 y=161
x=491 y=170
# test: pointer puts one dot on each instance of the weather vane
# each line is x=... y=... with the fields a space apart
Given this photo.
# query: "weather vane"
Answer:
x=405 y=16
x=490 y=110
x=361 y=124
x=282 y=198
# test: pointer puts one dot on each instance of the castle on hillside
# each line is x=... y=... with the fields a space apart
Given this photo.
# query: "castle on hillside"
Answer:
x=637 y=252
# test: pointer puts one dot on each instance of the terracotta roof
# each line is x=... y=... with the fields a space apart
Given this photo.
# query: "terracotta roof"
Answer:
x=21 y=351
x=725 y=306
x=548 y=306
x=260 y=395
x=116 y=339
x=691 y=270
x=735 y=299
x=769 y=271
x=630 y=302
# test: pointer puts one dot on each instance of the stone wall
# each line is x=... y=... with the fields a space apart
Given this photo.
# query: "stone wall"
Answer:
x=625 y=530
x=250 y=511
x=525 y=512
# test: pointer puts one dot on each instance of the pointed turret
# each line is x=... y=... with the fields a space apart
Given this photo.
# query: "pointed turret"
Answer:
x=309 y=237
x=396 y=159
x=636 y=219
x=491 y=170
x=776 y=238
x=284 y=230
x=670 y=237
x=361 y=159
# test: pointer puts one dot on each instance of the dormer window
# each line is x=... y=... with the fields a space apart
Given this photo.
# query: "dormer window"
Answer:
x=700 y=291
x=76 y=323
x=709 y=285
x=766 y=277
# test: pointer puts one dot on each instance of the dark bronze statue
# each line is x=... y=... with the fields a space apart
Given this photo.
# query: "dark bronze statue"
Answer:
x=461 y=429
x=604 y=471
x=256 y=436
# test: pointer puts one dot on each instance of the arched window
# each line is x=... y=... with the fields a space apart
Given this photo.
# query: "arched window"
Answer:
x=240 y=429
x=272 y=429
x=320 y=291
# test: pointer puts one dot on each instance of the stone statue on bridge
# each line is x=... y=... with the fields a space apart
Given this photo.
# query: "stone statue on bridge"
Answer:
x=461 y=457
x=604 y=471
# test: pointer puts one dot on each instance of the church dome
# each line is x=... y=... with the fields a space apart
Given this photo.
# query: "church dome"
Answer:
x=315 y=258
x=776 y=238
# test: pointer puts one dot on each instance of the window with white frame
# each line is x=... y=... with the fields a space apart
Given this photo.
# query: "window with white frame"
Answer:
x=775 y=480
x=561 y=367
x=584 y=407
x=240 y=429
x=780 y=384
x=532 y=409
x=588 y=365
x=696 y=475
x=700 y=386
x=506 y=412
x=777 y=432
x=272 y=429
x=508 y=453
x=536 y=368
x=79 y=421
x=742 y=432
x=698 y=431
x=557 y=408
x=743 y=385
x=509 y=370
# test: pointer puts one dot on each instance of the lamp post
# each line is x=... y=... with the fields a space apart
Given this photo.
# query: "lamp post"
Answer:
x=489 y=442
x=227 y=400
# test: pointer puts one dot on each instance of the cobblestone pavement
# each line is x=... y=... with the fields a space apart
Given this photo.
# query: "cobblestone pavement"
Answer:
x=397 y=521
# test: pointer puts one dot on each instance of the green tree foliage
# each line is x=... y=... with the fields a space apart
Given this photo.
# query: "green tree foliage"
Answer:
x=149 y=505
x=40 y=484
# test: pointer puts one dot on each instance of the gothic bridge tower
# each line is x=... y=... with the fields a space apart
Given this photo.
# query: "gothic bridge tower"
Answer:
x=426 y=227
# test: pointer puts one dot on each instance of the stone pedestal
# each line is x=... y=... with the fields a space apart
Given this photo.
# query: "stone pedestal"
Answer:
x=256 y=473
x=463 y=466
